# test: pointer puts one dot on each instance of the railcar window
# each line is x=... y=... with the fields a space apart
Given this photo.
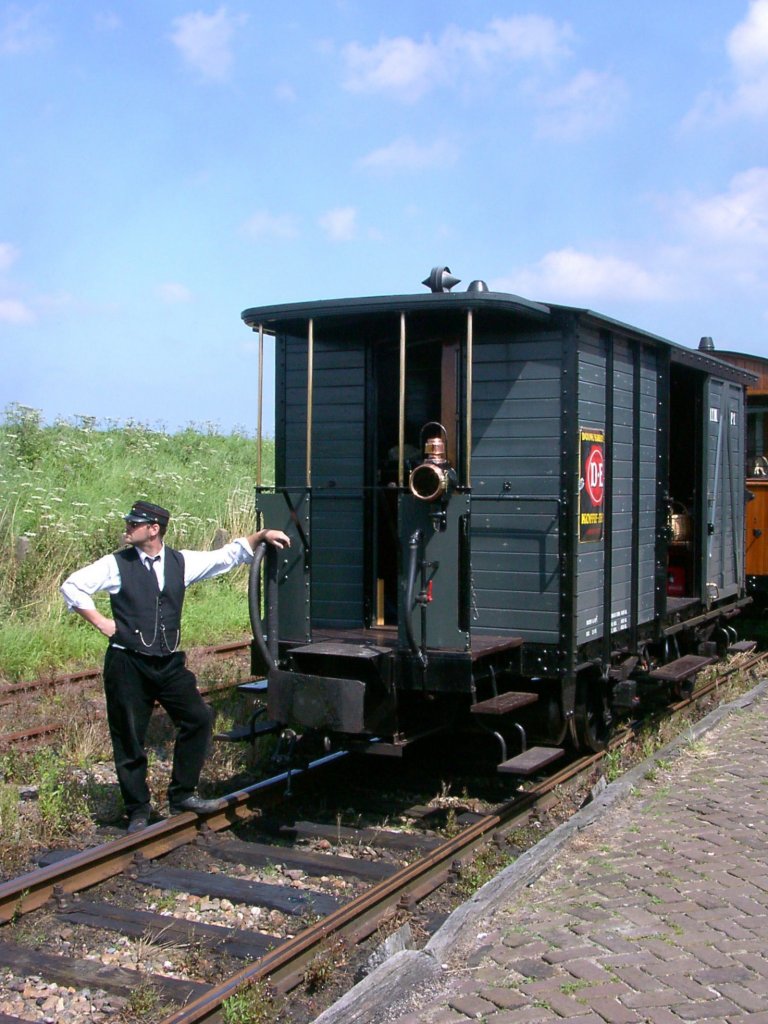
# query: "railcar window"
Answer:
x=757 y=437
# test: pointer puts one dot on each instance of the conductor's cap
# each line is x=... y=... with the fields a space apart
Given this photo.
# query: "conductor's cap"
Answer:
x=146 y=512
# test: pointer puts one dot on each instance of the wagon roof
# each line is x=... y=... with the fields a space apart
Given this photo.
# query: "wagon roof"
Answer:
x=292 y=318
x=694 y=357
x=294 y=315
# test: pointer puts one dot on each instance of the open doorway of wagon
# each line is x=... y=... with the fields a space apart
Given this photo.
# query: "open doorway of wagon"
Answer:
x=757 y=486
x=684 y=487
x=432 y=385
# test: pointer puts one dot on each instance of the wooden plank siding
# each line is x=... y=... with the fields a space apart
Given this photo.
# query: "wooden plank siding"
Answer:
x=632 y=480
x=590 y=556
x=516 y=451
x=648 y=484
x=338 y=470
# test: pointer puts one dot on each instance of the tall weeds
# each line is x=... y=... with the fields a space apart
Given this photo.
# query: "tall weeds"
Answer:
x=63 y=492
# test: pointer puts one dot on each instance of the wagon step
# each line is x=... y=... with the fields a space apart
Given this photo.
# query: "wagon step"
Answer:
x=248 y=733
x=681 y=669
x=504 y=703
x=530 y=761
x=620 y=673
x=253 y=686
x=742 y=647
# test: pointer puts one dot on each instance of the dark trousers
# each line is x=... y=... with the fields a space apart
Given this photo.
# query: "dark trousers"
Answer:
x=132 y=684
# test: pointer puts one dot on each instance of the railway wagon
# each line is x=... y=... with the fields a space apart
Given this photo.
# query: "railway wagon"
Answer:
x=507 y=517
x=757 y=470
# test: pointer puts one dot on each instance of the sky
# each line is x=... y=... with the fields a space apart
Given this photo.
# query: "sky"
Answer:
x=165 y=165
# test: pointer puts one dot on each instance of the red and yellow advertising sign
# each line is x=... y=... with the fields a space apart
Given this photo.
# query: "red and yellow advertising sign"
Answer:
x=591 y=484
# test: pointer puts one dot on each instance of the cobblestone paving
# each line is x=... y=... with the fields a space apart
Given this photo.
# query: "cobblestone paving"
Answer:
x=656 y=913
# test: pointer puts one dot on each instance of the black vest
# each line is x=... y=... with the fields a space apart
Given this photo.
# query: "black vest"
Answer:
x=148 y=619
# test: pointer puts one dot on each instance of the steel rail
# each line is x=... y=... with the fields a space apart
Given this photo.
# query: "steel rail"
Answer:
x=31 y=739
x=12 y=690
x=285 y=965
x=47 y=734
x=89 y=867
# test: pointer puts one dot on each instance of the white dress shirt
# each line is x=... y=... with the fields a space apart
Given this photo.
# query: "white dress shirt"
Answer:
x=104 y=574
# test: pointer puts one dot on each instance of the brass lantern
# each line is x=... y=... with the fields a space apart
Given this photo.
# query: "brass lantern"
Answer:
x=432 y=478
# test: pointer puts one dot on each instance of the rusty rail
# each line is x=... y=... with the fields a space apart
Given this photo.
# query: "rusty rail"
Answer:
x=88 y=867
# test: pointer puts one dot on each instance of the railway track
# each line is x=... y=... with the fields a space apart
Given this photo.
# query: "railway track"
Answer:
x=9 y=692
x=48 y=733
x=382 y=873
x=390 y=883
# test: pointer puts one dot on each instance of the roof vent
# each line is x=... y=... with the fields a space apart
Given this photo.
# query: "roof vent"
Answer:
x=441 y=279
x=477 y=286
x=706 y=345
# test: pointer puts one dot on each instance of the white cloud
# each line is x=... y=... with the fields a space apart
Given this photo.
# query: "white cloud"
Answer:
x=526 y=37
x=205 y=41
x=8 y=256
x=285 y=92
x=15 y=312
x=568 y=275
x=20 y=31
x=107 y=21
x=405 y=154
x=588 y=103
x=340 y=224
x=737 y=217
x=726 y=234
x=747 y=48
x=748 y=42
x=264 y=224
x=408 y=69
x=708 y=246
x=174 y=293
x=58 y=303
x=400 y=66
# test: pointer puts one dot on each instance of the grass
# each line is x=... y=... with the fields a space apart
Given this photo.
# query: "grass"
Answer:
x=485 y=864
x=146 y=1004
x=325 y=965
x=60 y=810
x=253 y=1003
x=66 y=488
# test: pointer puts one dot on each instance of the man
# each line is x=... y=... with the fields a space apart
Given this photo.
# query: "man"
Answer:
x=146 y=583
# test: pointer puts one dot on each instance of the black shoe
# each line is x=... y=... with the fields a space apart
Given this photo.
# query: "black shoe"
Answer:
x=138 y=821
x=196 y=804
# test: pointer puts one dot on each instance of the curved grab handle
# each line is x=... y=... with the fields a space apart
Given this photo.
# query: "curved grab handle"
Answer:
x=410 y=595
x=266 y=648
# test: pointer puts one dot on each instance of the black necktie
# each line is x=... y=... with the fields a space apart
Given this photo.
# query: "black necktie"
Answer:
x=150 y=563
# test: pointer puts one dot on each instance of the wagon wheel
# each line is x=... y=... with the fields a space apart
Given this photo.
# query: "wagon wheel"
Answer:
x=593 y=721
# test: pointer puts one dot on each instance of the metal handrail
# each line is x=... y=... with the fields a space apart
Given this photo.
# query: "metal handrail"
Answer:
x=268 y=649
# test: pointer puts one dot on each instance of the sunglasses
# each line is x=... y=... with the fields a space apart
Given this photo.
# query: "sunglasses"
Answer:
x=131 y=525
